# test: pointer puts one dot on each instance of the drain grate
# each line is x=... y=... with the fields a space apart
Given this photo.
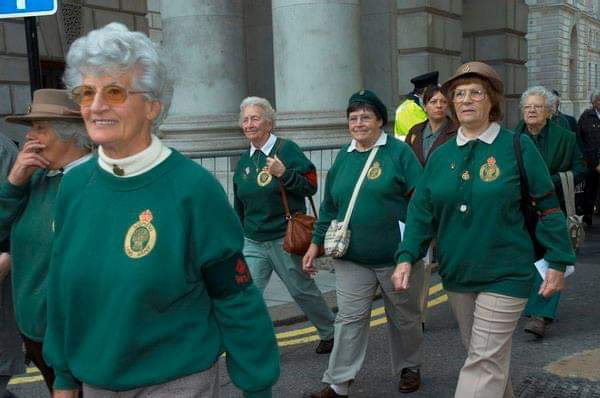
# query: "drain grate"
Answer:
x=550 y=386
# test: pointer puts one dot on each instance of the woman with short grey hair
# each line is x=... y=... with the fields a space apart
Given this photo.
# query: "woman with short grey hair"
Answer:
x=559 y=149
x=270 y=168
x=539 y=91
x=169 y=291
x=56 y=143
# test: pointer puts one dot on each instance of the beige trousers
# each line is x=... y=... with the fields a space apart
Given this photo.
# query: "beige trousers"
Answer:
x=204 y=384
x=356 y=286
x=487 y=322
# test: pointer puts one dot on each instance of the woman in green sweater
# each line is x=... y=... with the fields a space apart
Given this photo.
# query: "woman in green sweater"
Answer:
x=369 y=262
x=469 y=202
x=271 y=164
x=56 y=142
x=558 y=146
x=148 y=285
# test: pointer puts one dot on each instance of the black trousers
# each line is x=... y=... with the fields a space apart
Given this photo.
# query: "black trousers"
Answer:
x=592 y=181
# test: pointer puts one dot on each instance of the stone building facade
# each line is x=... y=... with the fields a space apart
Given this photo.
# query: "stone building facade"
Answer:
x=307 y=57
x=564 y=49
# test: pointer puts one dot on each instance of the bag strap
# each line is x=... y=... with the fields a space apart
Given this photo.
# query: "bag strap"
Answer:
x=358 y=186
x=286 y=207
x=522 y=173
x=568 y=187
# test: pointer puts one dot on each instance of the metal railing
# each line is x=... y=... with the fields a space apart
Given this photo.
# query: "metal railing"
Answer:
x=224 y=163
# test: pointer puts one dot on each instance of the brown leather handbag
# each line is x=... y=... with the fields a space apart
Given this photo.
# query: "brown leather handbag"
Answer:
x=298 y=233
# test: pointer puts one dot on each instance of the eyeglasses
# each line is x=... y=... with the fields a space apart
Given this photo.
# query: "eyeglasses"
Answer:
x=533 y=107
x=475 y=95
x=112 y=94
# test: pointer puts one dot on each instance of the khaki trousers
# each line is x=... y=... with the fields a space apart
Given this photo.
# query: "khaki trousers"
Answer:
x=356 y=286
x=204 y=384
x=487 y=322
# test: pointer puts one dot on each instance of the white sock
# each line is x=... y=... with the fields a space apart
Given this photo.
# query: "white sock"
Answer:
x=340 y=389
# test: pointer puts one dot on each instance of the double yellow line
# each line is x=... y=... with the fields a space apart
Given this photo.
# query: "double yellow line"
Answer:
x=284 y=339
x=306 y=335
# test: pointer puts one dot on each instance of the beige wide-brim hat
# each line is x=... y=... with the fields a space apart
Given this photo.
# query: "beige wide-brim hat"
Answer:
x=48 y=104
x=478 y=69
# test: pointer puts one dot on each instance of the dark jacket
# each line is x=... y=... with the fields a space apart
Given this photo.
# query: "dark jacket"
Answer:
x=565 y=121
x=415 y=138
x=588 y=135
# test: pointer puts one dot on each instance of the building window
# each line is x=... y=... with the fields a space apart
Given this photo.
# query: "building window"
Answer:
x=590 y=76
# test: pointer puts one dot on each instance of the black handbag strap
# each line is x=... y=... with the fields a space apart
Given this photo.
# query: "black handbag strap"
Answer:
x=522 y=173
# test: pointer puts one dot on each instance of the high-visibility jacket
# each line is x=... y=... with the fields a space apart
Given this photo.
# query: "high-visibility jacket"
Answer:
x=408 y=114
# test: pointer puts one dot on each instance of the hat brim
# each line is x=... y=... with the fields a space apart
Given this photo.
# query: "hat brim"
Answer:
x=28 y=119
x=496 y=84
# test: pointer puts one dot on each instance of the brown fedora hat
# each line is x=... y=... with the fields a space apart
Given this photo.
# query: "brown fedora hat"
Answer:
x=479 y=69
x=48 y=104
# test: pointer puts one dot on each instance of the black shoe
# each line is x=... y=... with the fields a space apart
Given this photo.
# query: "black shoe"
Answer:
x=536 y=326
x=324 y=347
x=410 y=380
x=588 y=220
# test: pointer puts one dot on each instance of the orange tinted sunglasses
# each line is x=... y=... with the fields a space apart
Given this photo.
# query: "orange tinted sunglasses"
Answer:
x=112 y=94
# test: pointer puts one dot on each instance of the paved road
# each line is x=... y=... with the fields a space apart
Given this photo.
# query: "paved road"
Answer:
x=576 y=331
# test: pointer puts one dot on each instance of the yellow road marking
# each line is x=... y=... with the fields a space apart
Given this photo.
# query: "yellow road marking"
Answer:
x=283 y=339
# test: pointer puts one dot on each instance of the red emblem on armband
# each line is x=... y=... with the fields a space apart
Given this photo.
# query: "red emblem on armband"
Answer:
x=311 y=176
x=242 y=274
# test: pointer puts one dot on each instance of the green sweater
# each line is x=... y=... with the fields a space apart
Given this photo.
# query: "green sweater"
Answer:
x=26 y=216
x=260 y=208
x=482 y=242
x=381 y=202
x=147 y=283
x=560 y=151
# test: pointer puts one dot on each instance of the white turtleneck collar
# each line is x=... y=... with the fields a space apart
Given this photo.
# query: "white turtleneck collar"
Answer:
x=136 y=164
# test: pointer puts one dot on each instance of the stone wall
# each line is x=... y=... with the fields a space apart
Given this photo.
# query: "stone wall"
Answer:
x=564 y=49
x=55 y=32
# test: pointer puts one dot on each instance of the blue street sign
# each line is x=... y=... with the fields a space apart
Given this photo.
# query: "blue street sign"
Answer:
x=27 y=8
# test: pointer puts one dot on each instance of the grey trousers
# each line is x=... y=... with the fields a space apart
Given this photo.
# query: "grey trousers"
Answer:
x=265 y=257
x=356 y=286
x=204 y=384
x=487 y=322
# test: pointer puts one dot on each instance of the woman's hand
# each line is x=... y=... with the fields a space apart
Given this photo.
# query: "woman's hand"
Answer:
x=275 y=166
x=5 y=265
x=27 y=162
x=553 y=283
x=65 y=394
x=401 y=276
x=308 y=259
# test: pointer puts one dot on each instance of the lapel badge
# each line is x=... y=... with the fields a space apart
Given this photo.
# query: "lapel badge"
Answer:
x=489 y=171
x=465 y=175
x=452 y=166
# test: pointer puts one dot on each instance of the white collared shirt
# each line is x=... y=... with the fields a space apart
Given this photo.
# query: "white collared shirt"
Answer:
x=65 y=170
x=136 y=164
x=381 y=141
x=266 y=149
x=488 y=136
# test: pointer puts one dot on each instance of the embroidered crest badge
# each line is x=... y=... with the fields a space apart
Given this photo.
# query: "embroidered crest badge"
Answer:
x=374 y=171
x=141 y=236
x=489 y=171
x=263 y=178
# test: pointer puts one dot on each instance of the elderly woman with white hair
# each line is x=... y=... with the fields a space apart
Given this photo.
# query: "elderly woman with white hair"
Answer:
x=148 y=285
x=56 y=143
x=558 y=146
x=271 y=165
